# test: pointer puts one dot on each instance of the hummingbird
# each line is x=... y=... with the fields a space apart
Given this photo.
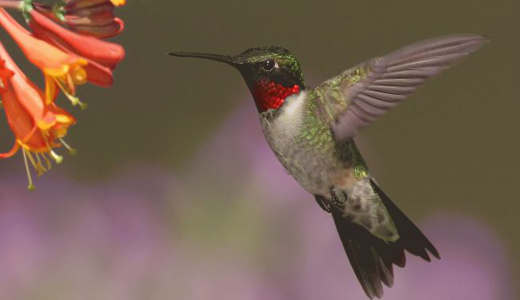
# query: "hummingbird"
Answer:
x=311 y=131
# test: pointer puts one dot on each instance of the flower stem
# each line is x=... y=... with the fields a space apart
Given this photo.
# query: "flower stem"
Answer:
x=17 y=4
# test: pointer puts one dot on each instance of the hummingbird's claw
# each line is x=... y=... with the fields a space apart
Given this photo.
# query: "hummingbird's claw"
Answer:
x=323 y=203
x=337 y=201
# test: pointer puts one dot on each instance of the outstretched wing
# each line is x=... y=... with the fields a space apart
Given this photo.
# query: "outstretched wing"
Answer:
x=356 y=97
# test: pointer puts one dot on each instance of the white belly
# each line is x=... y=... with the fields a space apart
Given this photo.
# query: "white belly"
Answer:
x=282 y=130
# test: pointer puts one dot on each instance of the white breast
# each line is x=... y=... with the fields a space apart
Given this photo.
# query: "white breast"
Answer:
x=288 y=121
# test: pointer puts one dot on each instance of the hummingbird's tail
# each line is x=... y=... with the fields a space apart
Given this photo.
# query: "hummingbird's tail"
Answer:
x=371 y=257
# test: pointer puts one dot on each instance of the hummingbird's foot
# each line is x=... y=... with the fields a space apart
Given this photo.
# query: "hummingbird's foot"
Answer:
x=337 y=199
x=323 y=203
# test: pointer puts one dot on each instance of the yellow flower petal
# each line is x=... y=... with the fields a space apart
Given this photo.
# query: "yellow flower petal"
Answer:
x=118 y=2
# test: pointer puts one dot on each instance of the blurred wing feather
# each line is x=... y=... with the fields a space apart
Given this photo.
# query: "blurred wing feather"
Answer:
x=358 y=96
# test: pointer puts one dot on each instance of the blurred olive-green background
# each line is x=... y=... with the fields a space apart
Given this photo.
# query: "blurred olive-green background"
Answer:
x=452 y=147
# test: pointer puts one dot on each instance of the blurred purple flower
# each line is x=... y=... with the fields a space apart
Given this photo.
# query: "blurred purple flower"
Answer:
x=234 y=226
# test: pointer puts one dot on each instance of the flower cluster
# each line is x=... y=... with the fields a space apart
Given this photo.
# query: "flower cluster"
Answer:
x=65 y=41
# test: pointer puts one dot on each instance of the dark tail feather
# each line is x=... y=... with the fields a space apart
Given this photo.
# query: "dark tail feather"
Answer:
x=412 y=239
x=371 y=258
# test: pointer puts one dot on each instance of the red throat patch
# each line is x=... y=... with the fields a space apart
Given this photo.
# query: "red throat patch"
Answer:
x=270 y=95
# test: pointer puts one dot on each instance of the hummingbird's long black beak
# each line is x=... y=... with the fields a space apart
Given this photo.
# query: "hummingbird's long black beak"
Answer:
x=216 y=57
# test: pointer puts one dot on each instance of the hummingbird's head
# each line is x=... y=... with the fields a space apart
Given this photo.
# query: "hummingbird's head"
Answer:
x=271 y=73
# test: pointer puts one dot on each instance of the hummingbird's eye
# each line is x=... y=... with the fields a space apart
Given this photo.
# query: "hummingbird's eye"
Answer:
x=269 y=64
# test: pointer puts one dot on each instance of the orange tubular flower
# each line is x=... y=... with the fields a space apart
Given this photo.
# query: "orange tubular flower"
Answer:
x=105 y=53
x=60 y=68
x=101 y=56
x=36 y=125
x=87 y=17
x=67 y=58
